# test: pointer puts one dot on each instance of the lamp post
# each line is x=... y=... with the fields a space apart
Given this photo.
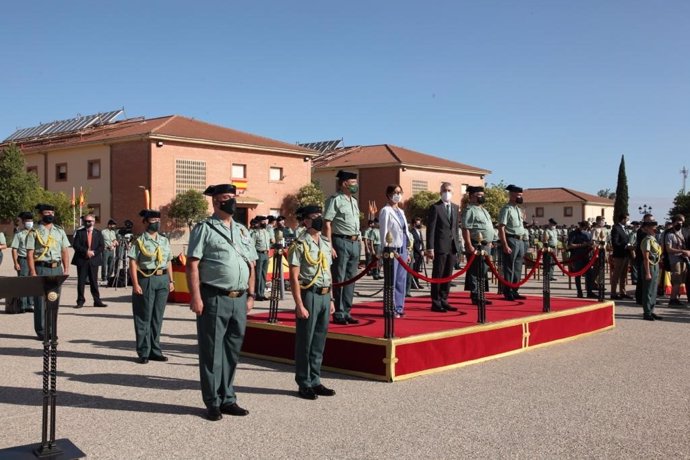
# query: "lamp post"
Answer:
x=644 y=209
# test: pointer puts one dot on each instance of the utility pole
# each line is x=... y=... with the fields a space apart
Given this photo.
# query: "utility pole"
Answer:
x=684 y=172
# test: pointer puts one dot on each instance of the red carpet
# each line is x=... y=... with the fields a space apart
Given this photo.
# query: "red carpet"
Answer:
x=427 y=341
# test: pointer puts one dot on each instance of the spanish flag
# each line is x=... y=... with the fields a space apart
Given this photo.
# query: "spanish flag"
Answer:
x=73 y=202
x=81 y=197
x=240 y=184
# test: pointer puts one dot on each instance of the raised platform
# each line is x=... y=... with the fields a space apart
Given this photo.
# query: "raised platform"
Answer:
x=426 y=341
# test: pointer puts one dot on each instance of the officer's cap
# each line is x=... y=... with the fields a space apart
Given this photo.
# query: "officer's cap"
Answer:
x=474 y=189
x=220 y=189
x=45 y=207
x=514 y=188
x=279 y=218
x=634 y=222
x=258 y=218
x=552 y=221
x=271 y=218
x=149 y=213
x=311 y=209
x=112 y=222
x=26 y=215
x=651 y=223
x=346 y=175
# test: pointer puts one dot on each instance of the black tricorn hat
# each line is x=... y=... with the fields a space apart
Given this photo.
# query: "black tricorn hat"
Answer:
x=552 y=221
x=345 y=175
x=45 y=207
x=514 y=188
x=219 y=189
x=258 y=218
x=26 y=215
x=474 y=189
x=311 y=209
x=149 y=213
x=112 y=222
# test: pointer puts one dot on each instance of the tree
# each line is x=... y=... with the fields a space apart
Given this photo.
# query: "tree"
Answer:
x=606 y=193
x=188 y=208
x=681 y=205
x=620 y=206
x=62 y=203
x=496 y=197
x=18 y=188
x=418 y=205
x=310 y=194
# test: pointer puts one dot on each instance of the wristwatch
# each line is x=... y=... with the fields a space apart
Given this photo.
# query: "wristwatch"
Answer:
x=252 y=295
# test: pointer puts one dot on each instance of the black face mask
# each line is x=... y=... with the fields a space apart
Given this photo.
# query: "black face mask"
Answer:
x=228 y=206
x=264 y=225
x=48 y=219
x=519 y=200
x=153 y=227
x=317 y=223
x=677 y=226
x=88 y=224
x=481 y=199
x=417 y=225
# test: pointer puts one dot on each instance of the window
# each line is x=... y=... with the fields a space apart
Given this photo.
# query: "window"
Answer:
x=94 y=169
x=61 y=172
x=603 y=212
x=539 y=212
x=419 y=186
x=190 y=175
x=95 y=209
x=567 y=211
x=239 y=171
x=275 y=174
x=32 y=170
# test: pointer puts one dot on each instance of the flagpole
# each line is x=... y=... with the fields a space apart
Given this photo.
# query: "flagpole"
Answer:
x=74 y=211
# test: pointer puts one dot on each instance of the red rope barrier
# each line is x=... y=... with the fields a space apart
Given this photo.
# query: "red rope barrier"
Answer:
x=371 y=265
x=507 y=283
x=581 y=272
x=436 y=280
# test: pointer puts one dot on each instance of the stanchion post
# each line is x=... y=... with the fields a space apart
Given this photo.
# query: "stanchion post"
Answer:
x=499 y=267
x=388 y=289
x=546 y=281
x=601 y=276
x=277 y=274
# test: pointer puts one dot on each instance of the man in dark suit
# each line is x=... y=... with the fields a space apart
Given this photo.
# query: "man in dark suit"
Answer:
x=88 y=256
x=442 y=245
x=417 y=249
x=620 y=242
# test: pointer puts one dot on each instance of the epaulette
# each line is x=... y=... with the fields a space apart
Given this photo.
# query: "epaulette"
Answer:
x=325 y=238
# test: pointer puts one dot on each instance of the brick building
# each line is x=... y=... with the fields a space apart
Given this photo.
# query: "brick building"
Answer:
x=566 y=206
x=115 y=162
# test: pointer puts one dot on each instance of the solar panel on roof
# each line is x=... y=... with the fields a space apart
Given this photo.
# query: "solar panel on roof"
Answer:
x=323 y=146
x=65 y=126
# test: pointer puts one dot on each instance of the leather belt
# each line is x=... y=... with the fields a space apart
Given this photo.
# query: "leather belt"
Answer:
x=158 y=272
x=261 y=252
x=513 y=236
x=347 y=237
x=318 y=290
x=21 y=257
x=225 y=292
x=47 y=264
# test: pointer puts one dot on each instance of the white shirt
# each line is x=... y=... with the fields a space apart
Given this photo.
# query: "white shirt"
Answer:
x=392 y=220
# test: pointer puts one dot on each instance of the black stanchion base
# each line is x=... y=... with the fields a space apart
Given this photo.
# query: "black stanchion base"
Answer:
x=63 y=450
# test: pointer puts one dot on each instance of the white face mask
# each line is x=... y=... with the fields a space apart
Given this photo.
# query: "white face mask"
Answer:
x=396 y=197
x=28 y=225
x=446 y=196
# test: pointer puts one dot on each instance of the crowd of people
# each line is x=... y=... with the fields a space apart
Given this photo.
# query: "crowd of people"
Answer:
x=226 y=267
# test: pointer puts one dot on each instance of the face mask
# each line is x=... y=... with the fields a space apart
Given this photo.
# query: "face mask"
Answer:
x=396 y=198
x=481 y=199
x=48 y=219
x=519 y=200
x=317 y=223
x=417 y=225
x=677 y=226
x=446 y=196
x=354 y=188
x=28 y=225
x=153 y=227
x=263 y=225
x=88 y=224
x=228 y=206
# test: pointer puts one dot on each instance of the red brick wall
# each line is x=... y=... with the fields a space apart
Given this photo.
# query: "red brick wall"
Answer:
x=372 y=186
x=130 y=167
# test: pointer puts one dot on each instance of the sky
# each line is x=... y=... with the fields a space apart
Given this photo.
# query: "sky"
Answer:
x=542 y=93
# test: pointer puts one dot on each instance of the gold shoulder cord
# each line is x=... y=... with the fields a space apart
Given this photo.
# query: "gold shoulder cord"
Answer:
x=321 y=261
x=157 y=254
x=47 y=245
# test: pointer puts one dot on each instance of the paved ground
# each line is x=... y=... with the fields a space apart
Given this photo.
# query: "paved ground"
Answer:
x=618 y=394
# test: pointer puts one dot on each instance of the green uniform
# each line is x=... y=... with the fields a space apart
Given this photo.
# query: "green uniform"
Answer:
x=3 y=242
x=19 y=244
x=551 y=241
x=477 y=220
x=374 y=236
x=262 y=243
x=47 y=245
x=510 y=217
x=649 y=287
x=109 y=237
x=314 y=261
x=343 y=213
x=152 y=256
x=225 y=255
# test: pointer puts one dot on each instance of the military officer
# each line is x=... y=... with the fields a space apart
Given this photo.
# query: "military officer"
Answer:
x=152 y=280
x=550 y=239
x=342 y=229
x=109 y=243
x=477 y=232
x=263 y=239
x=310 y=260
x=220 y=276
x=511 y=231
x=46 y=254
x=26 y=304
x=3 y=245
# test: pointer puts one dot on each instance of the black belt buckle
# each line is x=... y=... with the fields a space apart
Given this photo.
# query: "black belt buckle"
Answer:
x=323 y=290
x=234 y=294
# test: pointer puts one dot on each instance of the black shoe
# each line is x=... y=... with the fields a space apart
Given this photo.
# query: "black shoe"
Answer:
x=591 y=295
x=509 y=298
x=351 y=320
x=99 y=304
x=647 y=317
x=676 y=302
x=519 y=297
x=341 y=321
x=142 y=360
x=213 y=414
x=438 y=309
x=553 y=279
x=616 y=297
x=233 y=409
x=160 y=358
x=450 y=308
x=323 y=391
x=40 y=337
x=580 y=295
x=29 y=310
x=626 y=296
x=79 y=305
x=657 y=317
x=307 y=393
